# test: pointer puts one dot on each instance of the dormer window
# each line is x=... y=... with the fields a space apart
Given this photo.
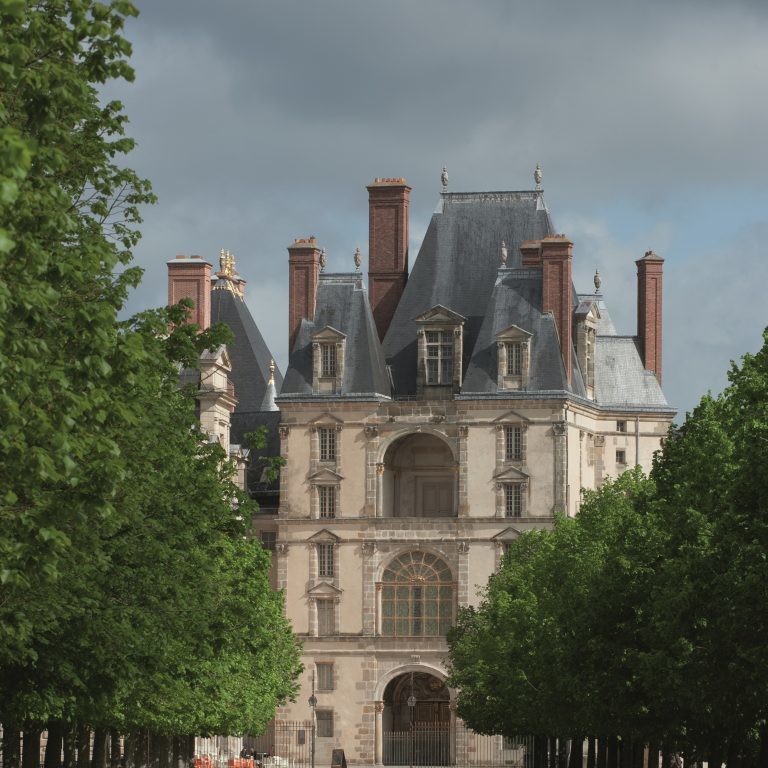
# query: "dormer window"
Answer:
x=513 y=346
x=514 y=358
x=328 y=354
x=587 y=316
x=440 y=352
x=439 y=357
x=328 y=347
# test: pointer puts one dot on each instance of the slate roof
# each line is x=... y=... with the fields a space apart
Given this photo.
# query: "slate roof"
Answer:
x=620 y=379
x=457 y=267
x=516 y=300
x=342 y=303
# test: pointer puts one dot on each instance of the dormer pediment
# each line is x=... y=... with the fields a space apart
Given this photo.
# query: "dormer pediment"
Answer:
x=324 y=589
x=324 y=536
x=218 y=356
x=325 y=476
x=508 y=534
x=511 y=475
x=513 y=333
x=440 y=315
x=511 y=416
x=587 y=310
x=328 y=334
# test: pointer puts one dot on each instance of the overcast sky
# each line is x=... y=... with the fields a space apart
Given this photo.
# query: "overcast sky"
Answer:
x=258 y=122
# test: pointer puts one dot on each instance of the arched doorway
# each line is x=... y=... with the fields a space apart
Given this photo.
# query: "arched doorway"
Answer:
x=416 y=721
x=419 y=478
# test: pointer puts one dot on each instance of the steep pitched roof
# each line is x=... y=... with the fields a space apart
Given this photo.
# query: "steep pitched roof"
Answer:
x=457 y=265
x=248 y=352
x=620 y=379
x=341 y=303
x=516 y=300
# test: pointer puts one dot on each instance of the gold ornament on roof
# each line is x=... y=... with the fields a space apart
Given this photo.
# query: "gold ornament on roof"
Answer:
x=226 y=263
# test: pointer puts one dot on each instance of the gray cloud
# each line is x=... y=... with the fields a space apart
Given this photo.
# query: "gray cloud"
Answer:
x=259 y=122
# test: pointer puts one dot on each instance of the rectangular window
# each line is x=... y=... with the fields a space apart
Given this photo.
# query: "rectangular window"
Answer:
x=621 y=426
x=327 y=443
x=513 y=443
x=439 y=357
x=325 y=676
x=327 y=497
x=328 y=366
x=514 y=359
x=513 y=500
x=325 y=560
x=324 y=723
x=268 y=540
x=621 y=457
x=325 y=622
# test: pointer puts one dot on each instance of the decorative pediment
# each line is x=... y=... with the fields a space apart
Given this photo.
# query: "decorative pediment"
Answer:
x=510 y=416
x=324 y=589
x=218 y=356
x=440 y=315
x=513 y=333
x=327 y=335
x=511 y=475
x=325 y=476
x=326 y=420
x=587 y=309
x=324 y=537
x=508 y=534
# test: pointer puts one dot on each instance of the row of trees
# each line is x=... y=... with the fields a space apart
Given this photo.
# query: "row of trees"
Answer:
x=131 y=595
x=644 y=619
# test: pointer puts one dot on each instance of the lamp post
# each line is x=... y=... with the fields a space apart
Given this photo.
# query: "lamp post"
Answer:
x=313 y=705
x=411 y=705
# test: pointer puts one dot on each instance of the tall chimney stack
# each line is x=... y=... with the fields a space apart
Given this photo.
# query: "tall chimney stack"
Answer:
x=649 y=302
x=387 y=248
x=557 y=287
x=303 y=269
x=190 y=278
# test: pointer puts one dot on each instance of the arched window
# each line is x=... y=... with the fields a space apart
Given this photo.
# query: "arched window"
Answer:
x=417 y=596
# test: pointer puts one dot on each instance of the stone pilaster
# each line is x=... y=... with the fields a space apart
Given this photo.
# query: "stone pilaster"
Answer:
x=560 y=458
x=463 y=484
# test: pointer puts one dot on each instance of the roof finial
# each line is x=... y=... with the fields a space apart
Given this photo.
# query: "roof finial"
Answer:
x=226 y=264
x=503 y=254
x=537 y=176
x=358 y=258
x=444 y=179
x=323 y=260
x=271 y=371
x=597 y=281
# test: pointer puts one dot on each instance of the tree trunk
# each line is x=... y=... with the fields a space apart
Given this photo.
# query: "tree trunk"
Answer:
x=562 y=753
x=142 y=749
x=83 y=746
x=576 y=757
x=30 y=754
x=612 y=758
x=129 y=750
x=591 y=754
x=99 y=754
x=601 y=752
x=160 y=753
x=11 y=746
x=114 y=748
x=53 y=745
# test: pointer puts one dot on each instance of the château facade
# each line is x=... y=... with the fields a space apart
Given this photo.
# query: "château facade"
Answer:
x=426 y=420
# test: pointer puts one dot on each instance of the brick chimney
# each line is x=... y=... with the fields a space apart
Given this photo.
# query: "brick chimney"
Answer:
x=189 y=277
x=649 y=300
x=530 y=250
x=557 y=290
x=387 y=248
x=303 y=269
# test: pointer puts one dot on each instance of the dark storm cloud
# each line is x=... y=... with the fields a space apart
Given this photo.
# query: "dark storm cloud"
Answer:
x=259 y=122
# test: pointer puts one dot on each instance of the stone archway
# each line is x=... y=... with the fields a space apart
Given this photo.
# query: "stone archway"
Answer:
x=416 y=720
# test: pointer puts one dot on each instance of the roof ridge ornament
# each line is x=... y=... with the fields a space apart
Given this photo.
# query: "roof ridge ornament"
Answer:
x=503 y=254
x=444 y=179
x=598 y=282
x=537 y=177
x=323 y=260
x=358 y=258
x=271 y=370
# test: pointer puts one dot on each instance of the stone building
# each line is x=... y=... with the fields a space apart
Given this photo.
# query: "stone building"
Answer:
x=425 y=422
